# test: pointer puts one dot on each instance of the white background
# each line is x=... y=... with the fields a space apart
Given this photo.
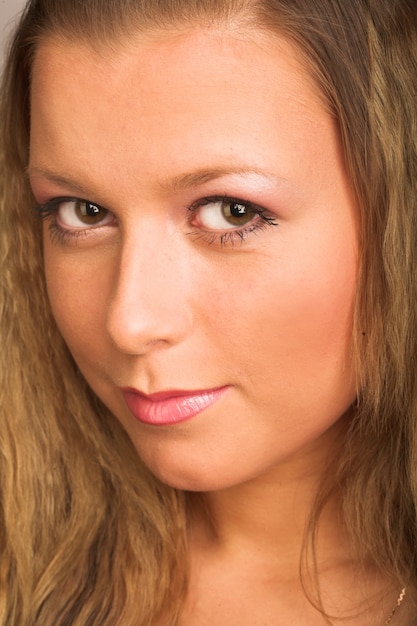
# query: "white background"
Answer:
x=9 y=9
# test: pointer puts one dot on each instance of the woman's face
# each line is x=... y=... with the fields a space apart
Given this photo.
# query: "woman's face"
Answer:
x=200 y=247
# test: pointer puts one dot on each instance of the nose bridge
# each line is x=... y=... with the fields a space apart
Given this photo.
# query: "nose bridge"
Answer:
x=149 y=295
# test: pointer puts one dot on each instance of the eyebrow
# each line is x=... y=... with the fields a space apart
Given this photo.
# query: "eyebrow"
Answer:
x=206 y=175
x=58 y=179
x=177 y=183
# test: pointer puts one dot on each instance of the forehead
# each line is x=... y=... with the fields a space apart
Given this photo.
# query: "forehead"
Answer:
x=211 y=57
x=176 y=101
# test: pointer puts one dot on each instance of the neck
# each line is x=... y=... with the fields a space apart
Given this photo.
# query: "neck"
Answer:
x=246 y=547
x=269 y=514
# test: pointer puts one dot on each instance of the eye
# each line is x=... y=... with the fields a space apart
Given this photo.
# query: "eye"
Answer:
x=75 y=213
x=225 y=213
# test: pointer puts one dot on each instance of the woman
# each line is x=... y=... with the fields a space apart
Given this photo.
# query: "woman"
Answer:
x=208 y=392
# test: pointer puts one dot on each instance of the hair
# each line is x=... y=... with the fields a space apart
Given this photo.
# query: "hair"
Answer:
x=87 y=535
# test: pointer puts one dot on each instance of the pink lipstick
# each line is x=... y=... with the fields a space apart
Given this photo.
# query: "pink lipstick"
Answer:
x=170 y=407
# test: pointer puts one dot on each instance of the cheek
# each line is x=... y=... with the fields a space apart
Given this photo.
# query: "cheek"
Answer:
x=78 y=291
x=319 y=308
x=288 y=326
x=303 y=303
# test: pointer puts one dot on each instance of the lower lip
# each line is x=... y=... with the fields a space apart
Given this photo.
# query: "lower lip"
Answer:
x=171 y=410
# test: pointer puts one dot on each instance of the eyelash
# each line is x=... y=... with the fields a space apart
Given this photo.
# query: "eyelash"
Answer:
x=60 y=235
x=232 y=236
x=262 y=220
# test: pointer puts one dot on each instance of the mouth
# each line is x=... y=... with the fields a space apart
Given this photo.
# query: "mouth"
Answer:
x=169 y=407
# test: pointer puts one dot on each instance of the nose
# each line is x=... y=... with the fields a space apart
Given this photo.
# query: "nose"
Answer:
x=149 y=307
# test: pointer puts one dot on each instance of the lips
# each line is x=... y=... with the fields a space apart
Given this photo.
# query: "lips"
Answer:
x=171 y=407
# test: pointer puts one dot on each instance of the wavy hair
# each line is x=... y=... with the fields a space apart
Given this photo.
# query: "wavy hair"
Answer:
x=87 y=536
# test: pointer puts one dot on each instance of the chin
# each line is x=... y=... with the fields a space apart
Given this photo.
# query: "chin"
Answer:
x=191 y=477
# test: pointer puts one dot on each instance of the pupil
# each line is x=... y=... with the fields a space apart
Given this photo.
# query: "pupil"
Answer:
x=91 y=209
x=237 y=209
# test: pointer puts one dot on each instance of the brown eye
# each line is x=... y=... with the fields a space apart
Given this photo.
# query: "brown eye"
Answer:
x=89 y=213
x=225 y=214
x=78 y=214
x=237 y=213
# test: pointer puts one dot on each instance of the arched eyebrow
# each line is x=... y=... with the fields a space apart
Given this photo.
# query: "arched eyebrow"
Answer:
x=206 y=175
x=62 y=180
x=181 y=182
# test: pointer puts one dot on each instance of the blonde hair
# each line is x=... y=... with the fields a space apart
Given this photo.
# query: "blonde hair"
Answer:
x=87 y=535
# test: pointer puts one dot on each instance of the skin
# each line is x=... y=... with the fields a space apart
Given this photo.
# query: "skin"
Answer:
x=147 y=302
x=152 y=297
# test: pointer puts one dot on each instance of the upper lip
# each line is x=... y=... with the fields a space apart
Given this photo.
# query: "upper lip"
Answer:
x=159 y=396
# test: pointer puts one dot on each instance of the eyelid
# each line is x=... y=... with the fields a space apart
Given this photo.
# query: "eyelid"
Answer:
x=225 y=198
x=61 y=227
x=263 y=218
x=229 y=236
x=48 y=207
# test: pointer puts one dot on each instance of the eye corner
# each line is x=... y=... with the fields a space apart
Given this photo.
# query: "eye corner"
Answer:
x=228 y=220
